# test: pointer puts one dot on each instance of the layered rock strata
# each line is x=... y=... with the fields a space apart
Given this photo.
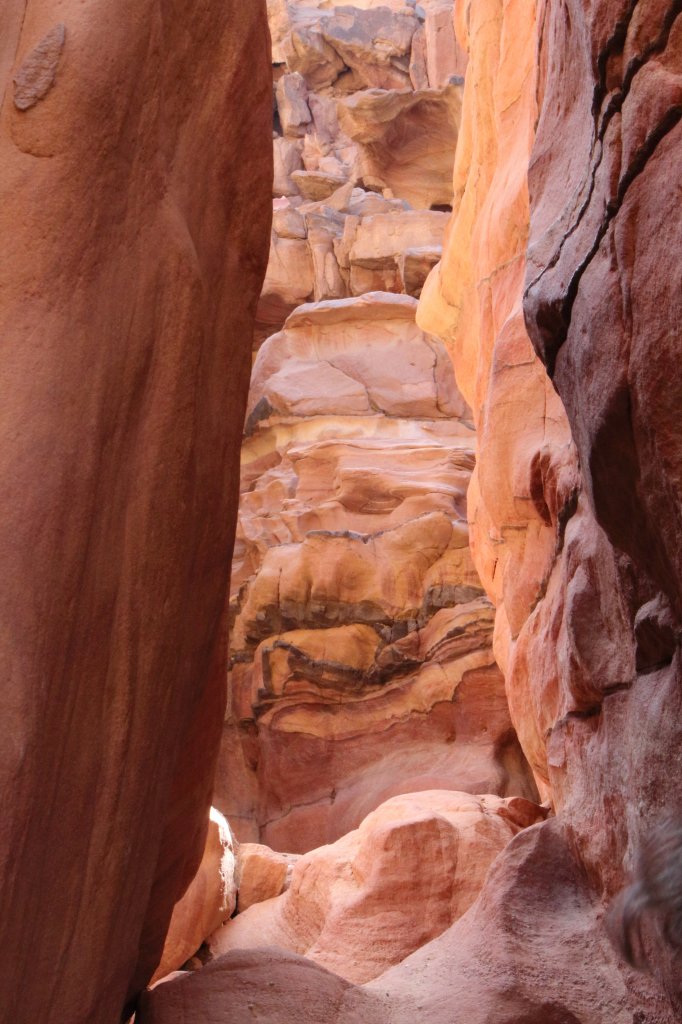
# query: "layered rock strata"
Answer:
x=134 y=218
x=573 y=511
x=358 y=669
x=361 y=661
x=367 y=98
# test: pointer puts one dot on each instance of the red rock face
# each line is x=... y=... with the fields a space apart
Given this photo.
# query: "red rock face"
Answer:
x=361 y=656
x=602 y=305
x=134 y=216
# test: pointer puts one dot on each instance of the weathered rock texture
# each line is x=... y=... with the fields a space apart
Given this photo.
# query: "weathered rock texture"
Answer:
x=367 y=97
x=603 y=307
x=134 y=214
x=363 y=904
x=361 y=661
x=587 y=622
x=574 y=507
x=347 y=244
x=532 y=954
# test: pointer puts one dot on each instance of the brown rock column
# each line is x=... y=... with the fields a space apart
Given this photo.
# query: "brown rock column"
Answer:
x=136 y=171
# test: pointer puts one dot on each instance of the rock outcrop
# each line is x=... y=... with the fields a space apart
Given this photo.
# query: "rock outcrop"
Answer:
x=367 y=111
x=573 y=509
x=134 y=219
x=346 y=244
x=532 y=953
x=361 y=661
x=412 y=868
x=262 y=874
x=586 y=627
x=602 y=304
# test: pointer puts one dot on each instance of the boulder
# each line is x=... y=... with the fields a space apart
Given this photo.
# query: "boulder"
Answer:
x=261 y=874
x=411 y=869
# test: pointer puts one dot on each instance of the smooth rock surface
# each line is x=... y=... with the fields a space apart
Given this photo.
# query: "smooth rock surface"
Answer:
x=363 y=904
x=531 y=950
x=266 y=984
x=134 y=219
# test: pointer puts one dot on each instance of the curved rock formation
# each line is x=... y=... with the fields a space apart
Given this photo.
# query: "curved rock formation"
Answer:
x=134 y=215
x=526 y=479
x=412 y=868
x=587 y=636
x=361 y=647
x=274 y=985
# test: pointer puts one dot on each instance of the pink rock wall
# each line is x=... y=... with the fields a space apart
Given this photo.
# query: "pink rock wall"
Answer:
x=361 y=661
x=134 y=217
x=586 y=635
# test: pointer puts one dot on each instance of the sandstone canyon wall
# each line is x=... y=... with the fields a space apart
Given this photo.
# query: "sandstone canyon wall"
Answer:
x=361 y=661
x=134 y=213
x=586 y=625
x=572 y=514
x=455 y=582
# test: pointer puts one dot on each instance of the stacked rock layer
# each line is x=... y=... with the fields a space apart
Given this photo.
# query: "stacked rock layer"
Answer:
x=361 y=645
x=556 y=270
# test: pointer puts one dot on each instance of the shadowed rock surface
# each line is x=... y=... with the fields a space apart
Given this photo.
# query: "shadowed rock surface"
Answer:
x=134 y=216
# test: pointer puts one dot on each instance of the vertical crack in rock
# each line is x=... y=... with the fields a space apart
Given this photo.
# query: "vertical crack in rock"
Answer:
x=352 y=539
x=558 y=325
